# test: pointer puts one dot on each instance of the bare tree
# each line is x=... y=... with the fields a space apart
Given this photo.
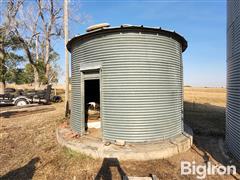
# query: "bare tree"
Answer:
x=37 y=24
x=51 y=15
x=24 y=30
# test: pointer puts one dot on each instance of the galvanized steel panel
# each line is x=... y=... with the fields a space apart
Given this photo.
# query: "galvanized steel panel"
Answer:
x=141 y=81
x=76 y=117
x=233 y=78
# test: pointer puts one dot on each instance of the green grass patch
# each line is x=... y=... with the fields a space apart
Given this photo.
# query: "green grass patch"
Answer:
x=69 y=153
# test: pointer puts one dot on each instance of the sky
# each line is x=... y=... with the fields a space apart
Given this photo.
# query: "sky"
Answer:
x=201 y=22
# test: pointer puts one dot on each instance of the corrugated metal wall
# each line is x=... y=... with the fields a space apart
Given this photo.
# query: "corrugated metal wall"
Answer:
x=233 y=78
x=75 y=122
x=141 y=84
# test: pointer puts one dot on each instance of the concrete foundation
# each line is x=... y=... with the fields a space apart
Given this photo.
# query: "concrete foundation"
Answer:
x=148 y=151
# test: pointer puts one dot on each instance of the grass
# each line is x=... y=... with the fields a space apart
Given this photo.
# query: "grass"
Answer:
x=204 y=110
x=75 y=155
x=29 y=149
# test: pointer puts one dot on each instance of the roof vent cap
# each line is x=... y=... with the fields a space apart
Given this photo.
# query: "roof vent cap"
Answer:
x=97 y=27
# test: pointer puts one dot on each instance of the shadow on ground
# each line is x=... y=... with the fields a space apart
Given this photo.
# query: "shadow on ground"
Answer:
x=109 y=165
x=208 y=124
x=25 y=172
x=205 y=119
x=29 y=111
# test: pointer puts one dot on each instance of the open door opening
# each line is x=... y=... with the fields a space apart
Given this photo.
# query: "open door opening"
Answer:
x=92 y=107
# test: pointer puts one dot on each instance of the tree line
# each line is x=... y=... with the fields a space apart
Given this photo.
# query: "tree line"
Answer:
x=28 y=30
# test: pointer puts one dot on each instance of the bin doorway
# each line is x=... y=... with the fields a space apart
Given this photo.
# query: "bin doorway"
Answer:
x=92 y=107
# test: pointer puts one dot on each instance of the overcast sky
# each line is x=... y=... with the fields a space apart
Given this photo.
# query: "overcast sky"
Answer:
x=201 y=22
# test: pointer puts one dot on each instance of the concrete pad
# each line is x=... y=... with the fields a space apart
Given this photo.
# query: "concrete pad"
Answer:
x=97 y=149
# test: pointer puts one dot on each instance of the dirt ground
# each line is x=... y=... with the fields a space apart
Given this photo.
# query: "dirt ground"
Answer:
x=29 y=150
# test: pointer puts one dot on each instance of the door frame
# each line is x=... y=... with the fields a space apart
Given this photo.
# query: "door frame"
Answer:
x=96 y=74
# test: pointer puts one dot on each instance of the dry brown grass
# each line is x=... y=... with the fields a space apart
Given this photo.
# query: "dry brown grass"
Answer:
x=29 y=150
x=204 y=110
x=213 y=96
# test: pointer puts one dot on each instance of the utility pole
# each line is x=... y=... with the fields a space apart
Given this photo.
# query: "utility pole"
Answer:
x=66 y=58
x=2 y=82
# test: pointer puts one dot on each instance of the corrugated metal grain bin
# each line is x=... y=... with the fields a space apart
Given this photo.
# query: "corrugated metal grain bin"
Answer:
x=140 y=76
x=233 y=78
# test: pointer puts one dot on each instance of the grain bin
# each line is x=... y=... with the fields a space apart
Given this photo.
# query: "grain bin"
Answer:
x=233 y=78
x=138 y=71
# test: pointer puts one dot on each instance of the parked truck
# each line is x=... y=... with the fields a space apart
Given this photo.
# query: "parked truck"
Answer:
x=22 y=98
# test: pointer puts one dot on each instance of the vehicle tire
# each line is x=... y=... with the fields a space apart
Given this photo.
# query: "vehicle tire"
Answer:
x=56 y=99
x=21 y=102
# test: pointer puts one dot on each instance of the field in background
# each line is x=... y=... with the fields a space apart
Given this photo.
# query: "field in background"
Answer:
x=204 y=110
x=213 y=96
